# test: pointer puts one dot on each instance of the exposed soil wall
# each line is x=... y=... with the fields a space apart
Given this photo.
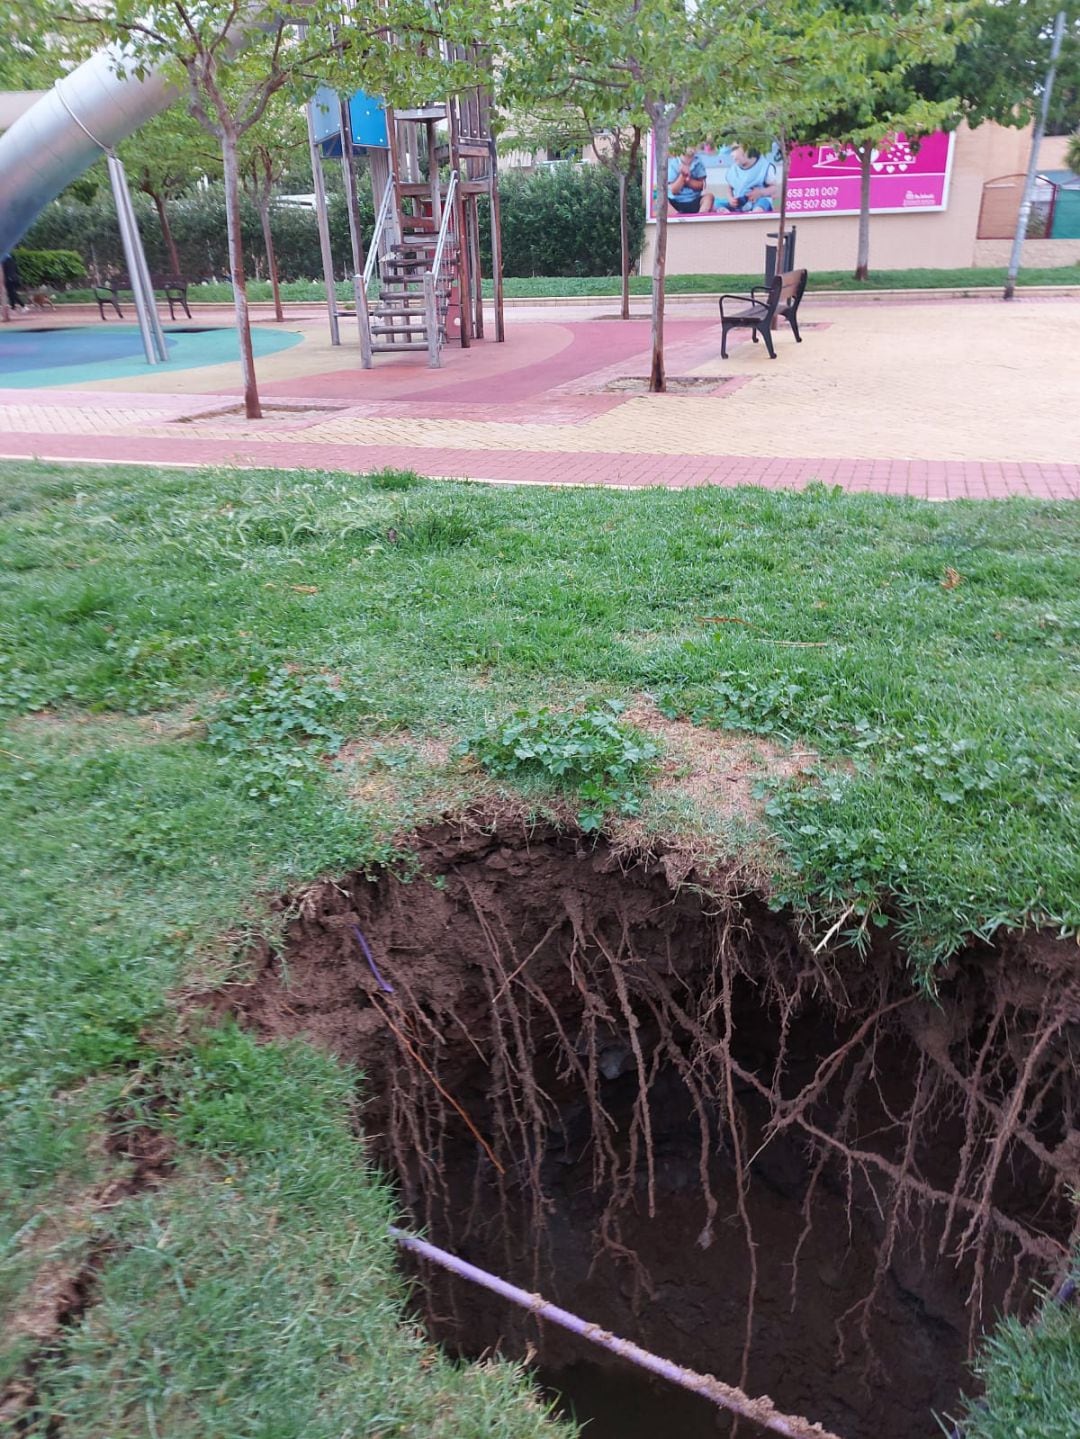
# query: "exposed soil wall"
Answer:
x=648 y=1100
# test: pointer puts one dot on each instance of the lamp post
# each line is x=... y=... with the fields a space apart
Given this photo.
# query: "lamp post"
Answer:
x=1033 y=159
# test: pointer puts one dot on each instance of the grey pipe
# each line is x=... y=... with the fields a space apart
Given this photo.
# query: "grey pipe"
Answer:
x=323 y=221
x=759 y=1411
x=92 y=109
x=153 y=336
x=130 y=243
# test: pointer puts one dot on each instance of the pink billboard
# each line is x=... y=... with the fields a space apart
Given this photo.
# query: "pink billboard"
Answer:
x=737 y=181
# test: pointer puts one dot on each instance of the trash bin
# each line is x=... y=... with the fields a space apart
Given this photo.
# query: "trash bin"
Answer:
x=770 y=252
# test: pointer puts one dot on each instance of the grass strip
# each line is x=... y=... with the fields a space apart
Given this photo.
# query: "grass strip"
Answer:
x=605 y=286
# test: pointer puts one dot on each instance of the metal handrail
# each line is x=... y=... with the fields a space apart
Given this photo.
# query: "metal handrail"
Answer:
x=444 y=228
x=380 y=224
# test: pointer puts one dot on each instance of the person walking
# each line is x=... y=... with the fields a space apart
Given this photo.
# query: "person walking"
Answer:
x=12 y=282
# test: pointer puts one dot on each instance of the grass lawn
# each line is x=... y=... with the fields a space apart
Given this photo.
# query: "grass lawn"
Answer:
x=541 y=287
x=180 y=651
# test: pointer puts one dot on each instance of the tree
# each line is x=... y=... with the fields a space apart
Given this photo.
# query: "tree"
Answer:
x=1072 y=154
x=643 y=59
x=1002 y=71
x=887 y=54
x=33 y=51
x=228 y=61
x=579 y=116
x=164 y=159
x=267 y=153
x=998 y=68
x=796 y=84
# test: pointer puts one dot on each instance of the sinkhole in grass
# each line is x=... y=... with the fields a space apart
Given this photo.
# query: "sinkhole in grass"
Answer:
x=624 y=1084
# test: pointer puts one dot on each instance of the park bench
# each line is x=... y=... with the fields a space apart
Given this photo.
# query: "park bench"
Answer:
x=780 y=299
x=174 y=288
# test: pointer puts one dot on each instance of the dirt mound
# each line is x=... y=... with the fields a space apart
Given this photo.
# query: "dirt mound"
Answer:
x=649 y=1101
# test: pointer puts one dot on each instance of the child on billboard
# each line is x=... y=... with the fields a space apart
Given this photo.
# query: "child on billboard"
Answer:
x=686 y=190
x=752 y=182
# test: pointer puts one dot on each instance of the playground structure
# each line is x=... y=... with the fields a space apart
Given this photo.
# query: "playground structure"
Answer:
x=430 y=166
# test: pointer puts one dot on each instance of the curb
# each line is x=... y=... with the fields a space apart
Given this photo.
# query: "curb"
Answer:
x=696 y=297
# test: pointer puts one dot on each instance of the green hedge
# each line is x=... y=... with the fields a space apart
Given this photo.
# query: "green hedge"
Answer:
x=560 y=220
x=563 y=220
x=49 y=267
x=198 y=225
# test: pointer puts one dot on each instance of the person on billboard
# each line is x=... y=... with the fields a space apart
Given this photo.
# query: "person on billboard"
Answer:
x=752 y=181
x=686 y=190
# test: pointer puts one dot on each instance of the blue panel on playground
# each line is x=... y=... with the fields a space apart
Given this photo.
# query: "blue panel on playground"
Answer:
x=368 y=121
x=366 y=113
x=325 y=114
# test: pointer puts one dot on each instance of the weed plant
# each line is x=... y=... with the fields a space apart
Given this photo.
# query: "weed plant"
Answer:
x=590 y=751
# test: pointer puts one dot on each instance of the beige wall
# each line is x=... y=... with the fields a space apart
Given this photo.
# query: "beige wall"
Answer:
x=940 y=239
x=1038 y=254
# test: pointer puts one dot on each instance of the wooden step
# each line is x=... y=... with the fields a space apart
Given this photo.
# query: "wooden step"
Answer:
x=377 y=349
x=401 y=272
x=401 y=319
x=396 y=287
x=468 y=149
x=434 y=111
x=401 y=304
x=411 y=300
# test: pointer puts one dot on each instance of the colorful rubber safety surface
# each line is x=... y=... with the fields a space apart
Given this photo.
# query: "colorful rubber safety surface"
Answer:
x=37 y=356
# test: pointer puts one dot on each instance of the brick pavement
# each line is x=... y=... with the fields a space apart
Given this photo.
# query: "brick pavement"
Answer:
x=951 y=400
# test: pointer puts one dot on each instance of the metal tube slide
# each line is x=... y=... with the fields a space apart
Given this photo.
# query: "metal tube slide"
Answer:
x=90 y=110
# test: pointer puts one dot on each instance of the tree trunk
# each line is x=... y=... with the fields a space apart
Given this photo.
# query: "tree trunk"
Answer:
x=624 y=244
x=271 y=255
x=252 y=408
x=661 y=144
x=862 y=259
x=781 y=229
x=625 y=177
x=166 y=233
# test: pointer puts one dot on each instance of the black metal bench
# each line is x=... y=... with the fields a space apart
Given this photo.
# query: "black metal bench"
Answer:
x=109 y=293
x=781 y=297
x=174 y=288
